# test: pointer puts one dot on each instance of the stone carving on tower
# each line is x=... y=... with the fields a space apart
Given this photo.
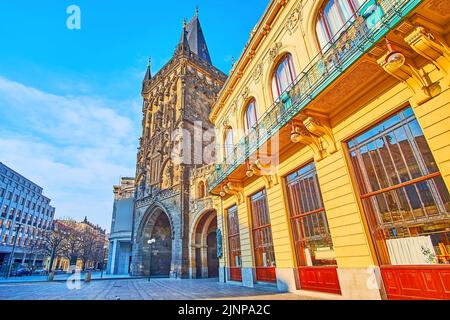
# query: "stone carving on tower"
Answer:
x=175 y=100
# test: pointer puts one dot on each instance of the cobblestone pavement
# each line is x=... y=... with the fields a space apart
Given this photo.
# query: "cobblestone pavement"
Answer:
x=140 y=289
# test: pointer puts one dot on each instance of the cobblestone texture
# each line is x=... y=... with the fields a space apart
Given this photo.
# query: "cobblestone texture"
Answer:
x=140 y=289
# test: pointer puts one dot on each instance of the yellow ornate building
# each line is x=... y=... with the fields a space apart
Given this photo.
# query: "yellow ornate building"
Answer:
x=335 y=157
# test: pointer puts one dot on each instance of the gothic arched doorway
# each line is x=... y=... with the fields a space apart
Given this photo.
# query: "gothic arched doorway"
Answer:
x=158 y=227
x=213 y=261
x=204 y=261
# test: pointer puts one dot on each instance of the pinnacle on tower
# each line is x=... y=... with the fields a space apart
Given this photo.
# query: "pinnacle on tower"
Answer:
x=148 y=74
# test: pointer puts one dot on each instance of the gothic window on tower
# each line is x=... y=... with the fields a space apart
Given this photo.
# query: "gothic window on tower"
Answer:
x=155 y=170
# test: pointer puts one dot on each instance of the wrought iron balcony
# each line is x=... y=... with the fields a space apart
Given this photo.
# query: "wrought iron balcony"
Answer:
x=373 y=21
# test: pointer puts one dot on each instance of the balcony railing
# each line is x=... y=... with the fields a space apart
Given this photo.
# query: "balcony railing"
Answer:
x=372 y=22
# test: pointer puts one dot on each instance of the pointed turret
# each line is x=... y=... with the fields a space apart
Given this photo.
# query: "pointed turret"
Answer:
x=148 y=74
x=184 y=43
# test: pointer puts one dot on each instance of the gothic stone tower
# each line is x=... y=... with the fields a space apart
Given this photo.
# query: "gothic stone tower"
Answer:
x=177 y=97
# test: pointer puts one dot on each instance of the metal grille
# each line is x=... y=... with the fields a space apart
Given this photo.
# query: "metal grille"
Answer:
x=401 y=187
x=357 y=36
x=262 y=233
x=234 y=240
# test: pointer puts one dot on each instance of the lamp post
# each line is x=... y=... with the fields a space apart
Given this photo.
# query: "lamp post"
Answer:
x=103 y=261
x=150 y=243
x=17 y=227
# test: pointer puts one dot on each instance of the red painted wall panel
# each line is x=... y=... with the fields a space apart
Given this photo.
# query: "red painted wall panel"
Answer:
x=417 y=282
x=266 y=274
x=323 y=279
x=236 y=274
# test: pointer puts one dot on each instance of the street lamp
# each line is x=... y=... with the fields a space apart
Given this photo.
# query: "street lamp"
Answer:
x=150 y=243
x=103 y=261
x=17 y=227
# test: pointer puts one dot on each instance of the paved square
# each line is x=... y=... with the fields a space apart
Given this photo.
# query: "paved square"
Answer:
x=140 y=289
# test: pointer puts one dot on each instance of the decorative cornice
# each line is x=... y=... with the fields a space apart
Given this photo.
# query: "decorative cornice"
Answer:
x=258 y=34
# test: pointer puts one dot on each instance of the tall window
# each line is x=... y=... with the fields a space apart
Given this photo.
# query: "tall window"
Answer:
x=234 y=244
x=201 y=190
x=310 y=230
x=155 y=170
x=405 y=198
x=262 y=238
x=251 y=117
x=283 y=76
x=333 y=17
x=228 y=143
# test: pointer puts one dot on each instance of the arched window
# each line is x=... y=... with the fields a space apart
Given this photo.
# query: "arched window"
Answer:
x=201 y=190
x=332 y=18
x=250 y=115
x=283 y=77
x=228 y=142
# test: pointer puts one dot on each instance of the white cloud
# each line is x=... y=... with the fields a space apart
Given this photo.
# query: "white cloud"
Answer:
x=75 y=147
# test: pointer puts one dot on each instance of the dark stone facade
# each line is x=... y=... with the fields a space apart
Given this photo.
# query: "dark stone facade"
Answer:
x=177 y=97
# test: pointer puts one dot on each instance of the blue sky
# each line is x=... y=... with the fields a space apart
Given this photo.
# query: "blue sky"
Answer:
x=70 y=99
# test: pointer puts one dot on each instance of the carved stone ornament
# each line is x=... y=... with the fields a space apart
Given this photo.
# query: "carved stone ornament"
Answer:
x=275 y=51
x=293 y=20
x=245 y=93
x=257 y=74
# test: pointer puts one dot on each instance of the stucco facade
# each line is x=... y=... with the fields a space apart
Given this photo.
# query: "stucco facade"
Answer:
x=339 y=93
x=119 y=254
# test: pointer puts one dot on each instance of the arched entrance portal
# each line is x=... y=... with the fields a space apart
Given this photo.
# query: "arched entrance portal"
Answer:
x=204 y=261
x=213 y=261
x=158 y=227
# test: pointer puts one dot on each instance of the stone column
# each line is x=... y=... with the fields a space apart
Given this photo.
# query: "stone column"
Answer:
x=113 y=257
x=204 y=254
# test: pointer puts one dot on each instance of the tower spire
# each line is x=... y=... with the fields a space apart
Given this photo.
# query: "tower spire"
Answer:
x=194 y=39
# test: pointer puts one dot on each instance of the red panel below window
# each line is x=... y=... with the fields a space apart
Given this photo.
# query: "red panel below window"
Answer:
x=417 y=282
x=323 y=279
x=236 y=274
x=266 y=274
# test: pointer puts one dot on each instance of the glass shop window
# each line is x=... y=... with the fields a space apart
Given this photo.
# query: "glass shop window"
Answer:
x=405 y=198
x=310 y=230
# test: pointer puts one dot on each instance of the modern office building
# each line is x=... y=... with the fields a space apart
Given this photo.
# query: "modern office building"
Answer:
x=335 y=133
x=119 y=258
x=25 y=214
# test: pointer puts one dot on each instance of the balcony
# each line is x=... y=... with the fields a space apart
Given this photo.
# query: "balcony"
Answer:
x=374 y=21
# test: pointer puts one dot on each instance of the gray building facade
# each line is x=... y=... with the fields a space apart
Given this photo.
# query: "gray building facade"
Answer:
x=25 y=214
x=119 y=258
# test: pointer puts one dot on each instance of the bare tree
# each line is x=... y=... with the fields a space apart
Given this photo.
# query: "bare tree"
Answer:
x=34 y=248
x=72 y=244
x=88 y=246
x=53 y=242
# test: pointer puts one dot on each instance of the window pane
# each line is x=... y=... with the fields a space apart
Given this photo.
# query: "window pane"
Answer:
x=283 y=77
x=250 y=116
x=262 y=234
x=409 y=212
x=313 y=243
